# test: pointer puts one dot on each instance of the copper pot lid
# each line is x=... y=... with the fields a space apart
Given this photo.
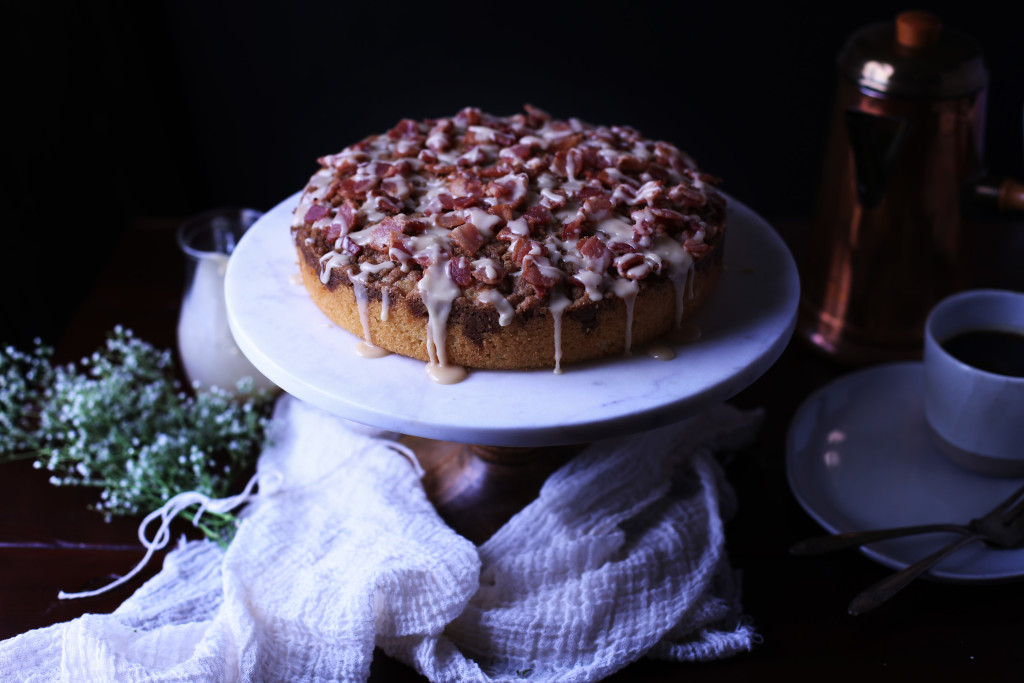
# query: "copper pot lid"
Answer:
x=914 y=56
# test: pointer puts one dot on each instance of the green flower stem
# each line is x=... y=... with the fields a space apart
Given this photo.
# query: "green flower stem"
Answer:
x=23 y=455
x=216 y=531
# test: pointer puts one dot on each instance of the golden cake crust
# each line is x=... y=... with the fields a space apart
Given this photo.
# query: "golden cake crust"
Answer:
x=509 y=243
x=475 y=339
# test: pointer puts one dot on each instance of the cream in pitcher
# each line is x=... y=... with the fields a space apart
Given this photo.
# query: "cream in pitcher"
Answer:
x=207 y=348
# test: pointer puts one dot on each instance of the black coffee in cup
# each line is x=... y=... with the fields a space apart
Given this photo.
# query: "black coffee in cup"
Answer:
x=997 y=351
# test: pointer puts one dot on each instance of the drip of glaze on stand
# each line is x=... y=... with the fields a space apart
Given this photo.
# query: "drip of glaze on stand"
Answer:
x=559 y=302
x=366 y=348
x=438 y=292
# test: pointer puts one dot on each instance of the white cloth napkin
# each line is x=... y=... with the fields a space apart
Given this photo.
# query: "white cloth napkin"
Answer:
x=621 y=556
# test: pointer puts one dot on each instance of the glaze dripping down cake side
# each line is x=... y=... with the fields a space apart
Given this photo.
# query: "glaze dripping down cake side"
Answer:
x=509 y=242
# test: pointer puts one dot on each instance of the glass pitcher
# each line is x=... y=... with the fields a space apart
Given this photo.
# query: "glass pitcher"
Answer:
x=206 y=346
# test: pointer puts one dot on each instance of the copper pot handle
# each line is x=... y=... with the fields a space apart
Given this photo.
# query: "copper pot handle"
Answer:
x=1011 y=195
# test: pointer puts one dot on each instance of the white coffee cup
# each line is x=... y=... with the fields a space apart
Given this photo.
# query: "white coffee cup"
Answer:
x=975 y=414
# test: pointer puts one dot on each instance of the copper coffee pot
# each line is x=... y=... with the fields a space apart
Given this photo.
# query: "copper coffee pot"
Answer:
x=902 y=164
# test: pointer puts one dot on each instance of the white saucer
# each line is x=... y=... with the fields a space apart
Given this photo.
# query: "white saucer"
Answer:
x=745 y=326
x=859 y=456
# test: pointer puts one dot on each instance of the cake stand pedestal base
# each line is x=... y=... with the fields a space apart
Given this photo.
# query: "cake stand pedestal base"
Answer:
x=476 y=489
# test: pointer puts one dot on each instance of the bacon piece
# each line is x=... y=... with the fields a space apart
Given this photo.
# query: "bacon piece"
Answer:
x=399 y=167
x=441 y=169
x=415 y=226
x=537 y=216
x=516 y=151
x=535 y=118
x=450 y=219
x=541 y=279
x=565 y=142
x=350 y=246
x=649 y=192
x=409 y=148
x=396 y=187
x=608 y=158
x=687 y=196
x=668 y=155
x=596 y=256
x=644 y=227
x=504 y=138
x=567 y=163
x=696 y=247
x=464 y=185
x=631 y=266
x=631 y=162
x=332 y=232
x=469 y=116
x=379 y=169
x=380 y=235
x=315 y=213
x=655 y=171
x=474 y=157
x=496 y=171
x=669 y=218
x=552 y=199
x=624 y=194
x=406 y=128
x=445 y=126
x=439 y=137
x=503 y=211
x=596 y=209
x=385 y=203
x=438 y=142
x=510 y=189
x=489 y=273
x=524 y=247
x=399 y=241
x=446 y=201
x=348 y=215
x=428 y=257
x=346 y=164
x=506 y=234
x=467 y=202
x=535 y=166
x=460 y=270
x=333 y=193
x=573 y=228
x=357 y=186
x=478 y=135
x=467 y=238
x=626 y=134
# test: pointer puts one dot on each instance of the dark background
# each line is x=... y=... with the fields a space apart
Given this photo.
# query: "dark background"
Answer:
x=123 y=110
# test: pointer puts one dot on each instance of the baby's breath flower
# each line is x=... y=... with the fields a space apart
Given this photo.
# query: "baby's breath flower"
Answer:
x=120 y=422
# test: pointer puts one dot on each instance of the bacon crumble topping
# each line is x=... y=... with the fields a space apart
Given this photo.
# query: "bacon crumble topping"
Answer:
x=526 y=204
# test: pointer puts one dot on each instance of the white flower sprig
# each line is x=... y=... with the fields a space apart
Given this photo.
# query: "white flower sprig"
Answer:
x=120 y=422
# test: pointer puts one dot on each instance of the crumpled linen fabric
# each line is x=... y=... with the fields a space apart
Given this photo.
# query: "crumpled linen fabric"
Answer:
x=621 y=556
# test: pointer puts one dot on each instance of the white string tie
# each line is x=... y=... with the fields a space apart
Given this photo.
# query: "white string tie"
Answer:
x=268 y=481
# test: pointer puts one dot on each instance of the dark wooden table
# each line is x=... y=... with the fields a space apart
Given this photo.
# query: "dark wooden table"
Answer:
x=50 y=541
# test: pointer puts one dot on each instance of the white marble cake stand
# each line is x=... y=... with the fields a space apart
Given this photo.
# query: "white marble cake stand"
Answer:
x=744 y=326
